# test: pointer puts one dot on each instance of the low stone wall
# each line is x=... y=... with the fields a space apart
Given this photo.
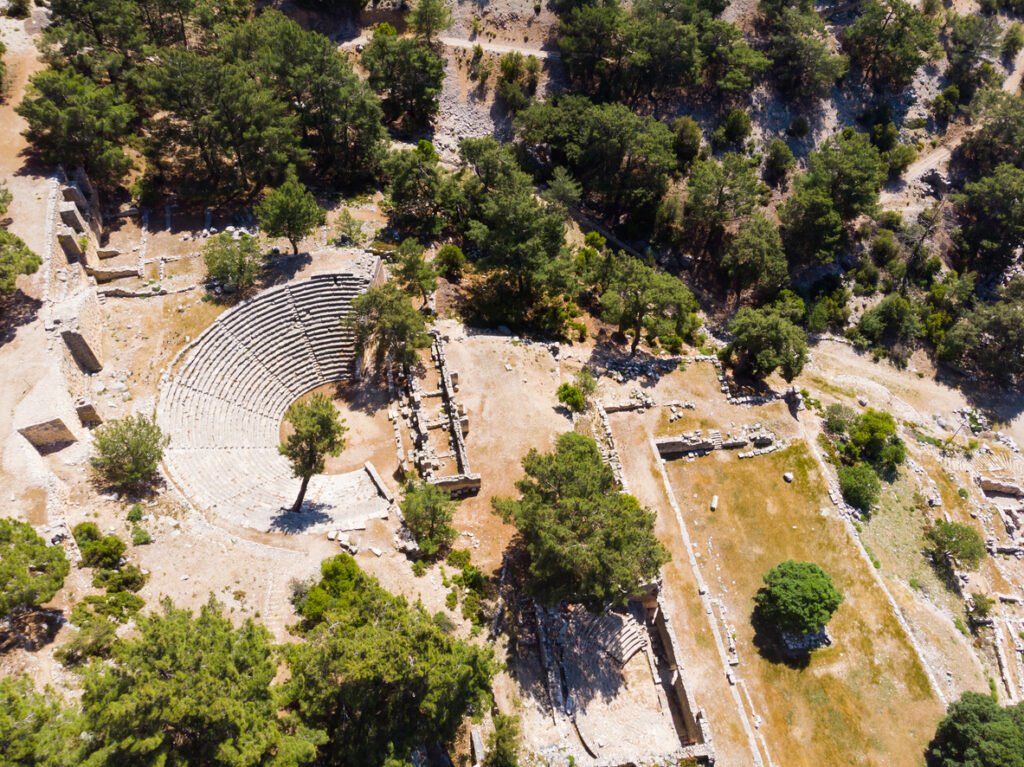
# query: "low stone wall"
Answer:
x=81 y=327
x=698 y=730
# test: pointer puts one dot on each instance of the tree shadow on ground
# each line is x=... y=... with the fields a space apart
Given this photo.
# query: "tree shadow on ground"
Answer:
x=16 y=309
x=769 y=646
x=998 y=404
x=611 y=357
x=368 y=396
x=293 y=523
x=944 y=572
x=283 y=269
x=30 y=630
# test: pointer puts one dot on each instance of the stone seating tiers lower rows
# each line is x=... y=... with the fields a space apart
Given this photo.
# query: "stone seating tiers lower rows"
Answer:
x=223 y=406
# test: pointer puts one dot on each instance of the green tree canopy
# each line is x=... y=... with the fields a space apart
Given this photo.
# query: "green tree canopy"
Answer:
x=719 y=193
x=36 y=730
x=754 y=257
x=220 y=125
x=289 y=211
x=860 y=486
x=518 y=237
x=340 y=117
x=190 y=689
x=234 y=262
x=850 y=170
x=587 y=542
x=977 y=732
x=386 y=324
x=74 y=122
x=407 y=73
x=425 y=199
x=991 y=215
x=797 y=598
x=1000 y=137
x=428 y=511
x=414 y=272
x=802 y=60
x=429 y=17
x=127 y=451
x=316 y=432
x=503 y=742
x=378 y=676
x=812 y=228
x=640 y=296
x=962 y=542
x=764 y=339
x=31 y=572
x=889 y=40
x=15 y=259
x=989 y=338
x=623 y=161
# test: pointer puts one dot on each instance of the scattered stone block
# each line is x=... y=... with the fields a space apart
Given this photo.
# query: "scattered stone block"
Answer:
x=788 y=476
x=714 y=503
x=48 y=436
x=87 y=413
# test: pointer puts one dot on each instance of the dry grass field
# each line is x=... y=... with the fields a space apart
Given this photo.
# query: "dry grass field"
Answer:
x=840 y=708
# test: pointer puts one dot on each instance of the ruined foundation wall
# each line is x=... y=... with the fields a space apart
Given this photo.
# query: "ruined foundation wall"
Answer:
x=81 y=327
x=694 y=720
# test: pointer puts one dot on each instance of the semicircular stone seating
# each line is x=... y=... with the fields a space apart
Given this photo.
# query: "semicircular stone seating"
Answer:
x=223 y=400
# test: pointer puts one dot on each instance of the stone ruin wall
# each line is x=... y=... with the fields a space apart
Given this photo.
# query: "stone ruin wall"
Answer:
x=698 y=729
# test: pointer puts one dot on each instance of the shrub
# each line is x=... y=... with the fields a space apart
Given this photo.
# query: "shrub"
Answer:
x=798 y=127
x=733 y=130
x=140 y=536
x=860 y=486
x=962 y=542
x=428 y=512
x=450 y=262
x=115 y=580
x=235 y=263
x=983 y=605
x=459 y=558
x=103 y=553
x=135 y=513
x=838 y=418
x=572 y=397
x=778 y=162
x=797 y=598
x=503 y=743
x=127 y=452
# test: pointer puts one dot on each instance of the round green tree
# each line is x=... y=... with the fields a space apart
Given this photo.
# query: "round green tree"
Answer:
x=317 y=432
x=234 y=262
x=428 y=512
x=860 y=486
x=977 y=732
x=31 y=572
x=290 y=211
x=797 y=598
x=127 y=452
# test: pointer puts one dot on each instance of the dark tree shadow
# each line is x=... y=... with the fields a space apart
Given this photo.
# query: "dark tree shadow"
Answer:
x=30 y=630
x=16 y=309
x=312 y=514
x=369 y=396
x=283 y=268
x=770 y=646
x=611 y=357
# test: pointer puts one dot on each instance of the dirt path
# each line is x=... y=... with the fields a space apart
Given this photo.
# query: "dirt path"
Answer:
x=938 y=158
x=464 y=44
